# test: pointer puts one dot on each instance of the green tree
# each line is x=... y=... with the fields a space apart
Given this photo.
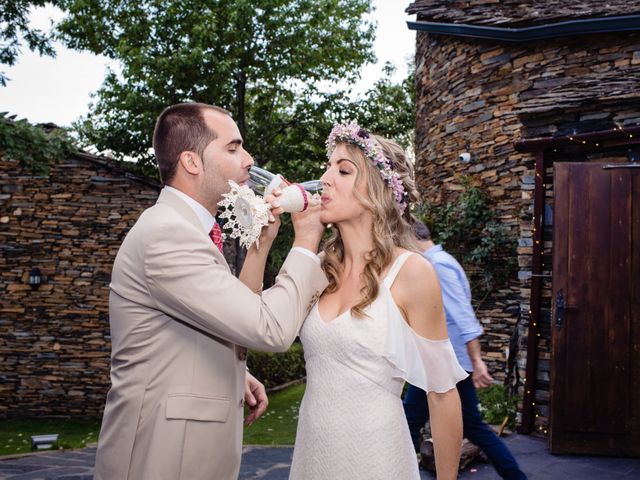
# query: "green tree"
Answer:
x=282 y=67
x=261 y=59
x=388 y=108
x=36 y=147
x=14 y=27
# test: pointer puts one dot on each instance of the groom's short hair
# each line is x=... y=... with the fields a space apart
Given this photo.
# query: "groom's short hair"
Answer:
x=181 y=128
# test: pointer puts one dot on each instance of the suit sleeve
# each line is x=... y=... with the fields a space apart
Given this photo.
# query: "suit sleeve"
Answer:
x=189 y=284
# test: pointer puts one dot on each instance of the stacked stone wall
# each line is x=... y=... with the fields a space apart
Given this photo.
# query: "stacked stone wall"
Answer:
x=54 y=341
x=482 y=97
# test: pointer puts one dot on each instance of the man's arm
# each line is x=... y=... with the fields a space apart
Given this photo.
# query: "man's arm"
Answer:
x=480 y=375
x=185 y=282
x=457 y=301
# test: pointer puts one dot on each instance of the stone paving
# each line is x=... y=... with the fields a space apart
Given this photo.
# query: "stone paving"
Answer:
x=272 y=463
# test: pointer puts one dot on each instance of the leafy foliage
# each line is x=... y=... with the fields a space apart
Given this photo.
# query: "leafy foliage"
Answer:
x=32 y=146
x=495 y=405
x=260 y=59
x=14 y=26
x=274 y=369
x=275 y=64
x=388 y=109
x=469 y=229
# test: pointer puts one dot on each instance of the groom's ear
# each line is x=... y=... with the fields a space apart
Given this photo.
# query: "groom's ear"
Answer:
x=190 y=162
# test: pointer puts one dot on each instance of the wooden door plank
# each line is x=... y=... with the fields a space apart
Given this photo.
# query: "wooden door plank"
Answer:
x=560 y=260
x=576 y=326
x=618 y=318
x=594 y=309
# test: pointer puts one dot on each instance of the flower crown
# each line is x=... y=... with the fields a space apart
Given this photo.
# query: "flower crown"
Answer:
x=354 y=134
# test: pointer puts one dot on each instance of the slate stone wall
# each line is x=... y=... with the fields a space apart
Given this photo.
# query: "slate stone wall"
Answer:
x=54 y=341
x=482 y=97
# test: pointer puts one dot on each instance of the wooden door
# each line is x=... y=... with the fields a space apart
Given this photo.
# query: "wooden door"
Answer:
x=595 y=375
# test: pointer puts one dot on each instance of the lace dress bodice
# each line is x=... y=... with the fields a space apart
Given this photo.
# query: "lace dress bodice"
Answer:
x=352 y=423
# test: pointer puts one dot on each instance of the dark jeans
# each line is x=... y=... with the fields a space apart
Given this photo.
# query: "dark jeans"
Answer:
x=478 y=432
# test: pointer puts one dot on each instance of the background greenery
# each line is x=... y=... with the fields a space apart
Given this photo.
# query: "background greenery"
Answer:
x=495 y=405
x=15 y=31
x=276 y=427
x=468 y=227
x=274 y=369
x=15 y=434
x=33 y=146
x=283 y=68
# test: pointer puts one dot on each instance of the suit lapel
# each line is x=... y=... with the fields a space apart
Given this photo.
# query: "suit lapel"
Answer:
x=183 y=209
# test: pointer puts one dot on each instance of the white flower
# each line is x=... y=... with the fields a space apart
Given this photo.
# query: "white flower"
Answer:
x=246 y=214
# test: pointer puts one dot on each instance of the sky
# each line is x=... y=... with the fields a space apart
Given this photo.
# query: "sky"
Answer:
x=44 y=89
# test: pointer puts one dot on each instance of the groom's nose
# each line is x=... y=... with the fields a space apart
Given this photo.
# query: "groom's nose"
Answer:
x=248 y=160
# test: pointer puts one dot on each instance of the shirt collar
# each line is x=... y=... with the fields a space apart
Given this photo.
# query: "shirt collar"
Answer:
x=432 y=250
x=206 y=219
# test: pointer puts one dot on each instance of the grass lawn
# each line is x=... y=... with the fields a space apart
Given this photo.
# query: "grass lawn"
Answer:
x=276 y=427
x=15 y=434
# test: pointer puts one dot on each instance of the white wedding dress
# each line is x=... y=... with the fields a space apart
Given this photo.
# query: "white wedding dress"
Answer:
x=352 y=423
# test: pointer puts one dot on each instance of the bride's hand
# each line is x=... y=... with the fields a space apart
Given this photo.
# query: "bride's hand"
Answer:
x=308 y=228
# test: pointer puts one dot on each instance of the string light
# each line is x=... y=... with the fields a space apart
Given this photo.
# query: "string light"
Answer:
x=617 y=128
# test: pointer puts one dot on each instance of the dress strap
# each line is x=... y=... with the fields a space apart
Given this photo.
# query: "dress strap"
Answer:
x=395 y=268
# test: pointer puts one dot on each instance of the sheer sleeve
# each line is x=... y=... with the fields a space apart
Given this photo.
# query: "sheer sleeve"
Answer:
x=428 y=364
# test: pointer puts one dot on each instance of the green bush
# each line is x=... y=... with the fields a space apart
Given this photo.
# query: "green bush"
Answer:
x=469 y=228
x=32 y=146
x=495 y=404
x=274 y=369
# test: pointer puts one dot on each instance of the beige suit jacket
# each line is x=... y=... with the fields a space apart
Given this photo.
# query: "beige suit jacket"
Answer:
x=178 y=315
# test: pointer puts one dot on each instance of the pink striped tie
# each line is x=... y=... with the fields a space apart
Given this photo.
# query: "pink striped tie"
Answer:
x=216 y=235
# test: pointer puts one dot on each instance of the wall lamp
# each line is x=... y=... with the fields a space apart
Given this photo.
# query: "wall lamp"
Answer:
x=35 y=278
x=43 y=442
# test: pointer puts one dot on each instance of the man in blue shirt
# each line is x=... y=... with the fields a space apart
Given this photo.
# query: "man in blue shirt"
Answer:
x=464 y=330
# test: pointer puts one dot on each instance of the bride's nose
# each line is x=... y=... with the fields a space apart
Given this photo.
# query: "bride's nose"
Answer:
x=324 y=179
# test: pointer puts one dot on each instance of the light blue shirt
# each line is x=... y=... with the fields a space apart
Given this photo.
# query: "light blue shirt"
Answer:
x=462 y=324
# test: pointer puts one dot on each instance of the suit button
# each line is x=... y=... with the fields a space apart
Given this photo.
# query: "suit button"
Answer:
x=241 y=402
x=241 y=352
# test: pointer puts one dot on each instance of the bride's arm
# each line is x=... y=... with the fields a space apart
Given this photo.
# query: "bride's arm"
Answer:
x=446 y=430
x=417 y=294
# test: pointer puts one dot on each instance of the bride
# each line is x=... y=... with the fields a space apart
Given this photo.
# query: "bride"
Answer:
x=379 y=323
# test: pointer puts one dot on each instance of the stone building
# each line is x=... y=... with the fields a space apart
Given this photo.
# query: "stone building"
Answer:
x=545 y=98
x=66 y=229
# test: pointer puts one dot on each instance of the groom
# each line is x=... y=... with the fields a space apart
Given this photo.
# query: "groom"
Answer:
x=181 y=322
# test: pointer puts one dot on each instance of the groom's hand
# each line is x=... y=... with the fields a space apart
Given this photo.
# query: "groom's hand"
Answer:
x=270 y=231
x=255 y=397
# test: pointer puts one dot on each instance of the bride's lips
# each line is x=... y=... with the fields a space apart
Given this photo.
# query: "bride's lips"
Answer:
x=325 y=199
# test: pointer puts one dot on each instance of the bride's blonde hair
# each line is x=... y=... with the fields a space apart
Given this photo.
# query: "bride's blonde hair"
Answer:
x=390 y=229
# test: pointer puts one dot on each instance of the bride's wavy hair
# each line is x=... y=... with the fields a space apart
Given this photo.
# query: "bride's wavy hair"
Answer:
x=390 y=228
